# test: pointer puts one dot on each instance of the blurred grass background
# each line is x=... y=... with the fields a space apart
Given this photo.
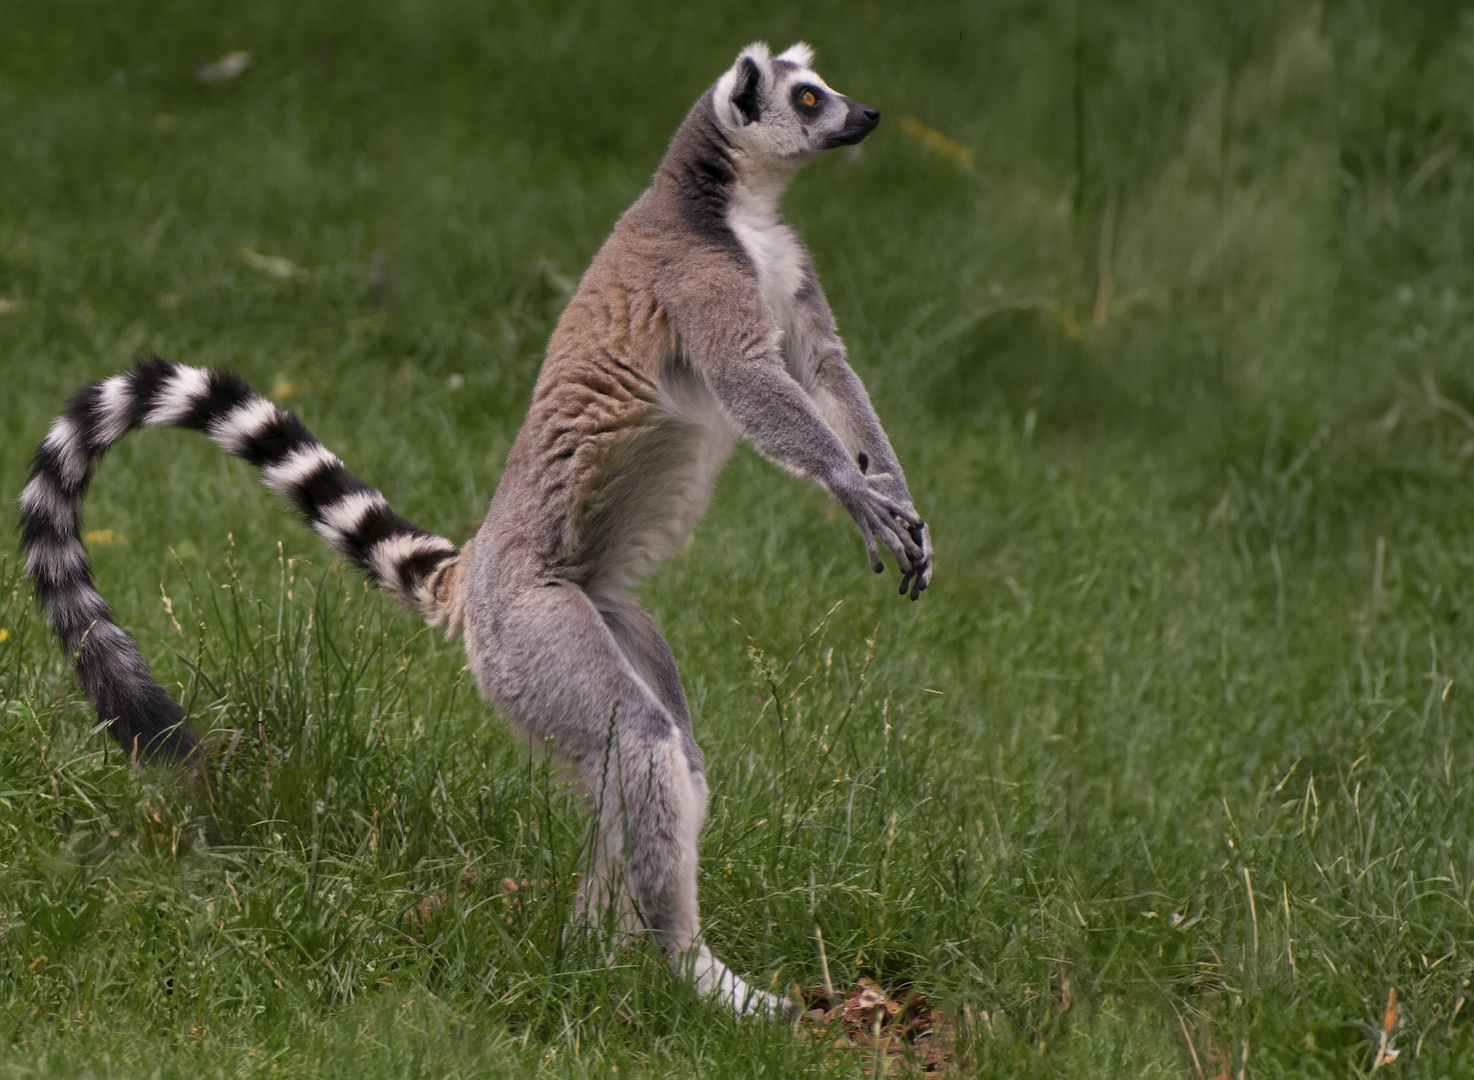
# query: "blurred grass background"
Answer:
x=1166 y=309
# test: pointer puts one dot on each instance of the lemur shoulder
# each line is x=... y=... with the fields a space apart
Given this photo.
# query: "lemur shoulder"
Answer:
x=699 y=321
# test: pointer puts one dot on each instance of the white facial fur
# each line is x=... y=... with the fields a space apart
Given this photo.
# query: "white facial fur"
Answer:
x=779 y=131
x=759 y=104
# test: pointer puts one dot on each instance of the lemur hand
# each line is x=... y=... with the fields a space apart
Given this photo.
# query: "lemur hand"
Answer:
x=920 y=576
x=895 y=522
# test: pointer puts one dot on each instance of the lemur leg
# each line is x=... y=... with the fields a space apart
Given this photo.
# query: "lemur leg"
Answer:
x=550 y=659
x=651 y=655
x=601 y=895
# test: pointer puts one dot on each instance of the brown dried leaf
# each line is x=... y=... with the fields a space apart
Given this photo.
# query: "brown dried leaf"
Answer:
x=861 y=1005
x=905 y=1029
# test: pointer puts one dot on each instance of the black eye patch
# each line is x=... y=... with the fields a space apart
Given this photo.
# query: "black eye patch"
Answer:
x=807 y=100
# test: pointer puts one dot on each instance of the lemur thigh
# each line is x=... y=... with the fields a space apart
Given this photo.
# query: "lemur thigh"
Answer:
x=554 y=666
x=649 y=652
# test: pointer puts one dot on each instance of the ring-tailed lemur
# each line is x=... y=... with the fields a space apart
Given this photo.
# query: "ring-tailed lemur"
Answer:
x=700 y=320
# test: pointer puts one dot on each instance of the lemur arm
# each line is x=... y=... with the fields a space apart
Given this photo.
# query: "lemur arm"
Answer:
x=816 y=357
x=742 y=363
x=842 y=401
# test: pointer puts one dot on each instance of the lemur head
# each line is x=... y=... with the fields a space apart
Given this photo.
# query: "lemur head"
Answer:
x=776 y=108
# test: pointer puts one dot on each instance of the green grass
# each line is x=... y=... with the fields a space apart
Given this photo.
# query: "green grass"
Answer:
x=1173 y=759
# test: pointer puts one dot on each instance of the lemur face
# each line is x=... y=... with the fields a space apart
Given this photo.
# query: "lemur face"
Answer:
x=778 y=108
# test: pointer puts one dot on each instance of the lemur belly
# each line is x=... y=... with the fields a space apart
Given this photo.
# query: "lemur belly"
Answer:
x=664 y=483
x=661 y=479
x=628 y=463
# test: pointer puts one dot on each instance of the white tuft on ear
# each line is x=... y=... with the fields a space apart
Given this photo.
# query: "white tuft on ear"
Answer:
x=799 y=53
x=760 y=52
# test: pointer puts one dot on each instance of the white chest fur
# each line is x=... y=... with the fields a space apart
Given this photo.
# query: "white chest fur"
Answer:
x=773 y=247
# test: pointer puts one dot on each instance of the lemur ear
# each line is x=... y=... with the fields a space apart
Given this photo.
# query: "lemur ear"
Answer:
x=745 y=90
x=800 y=53
x=738 y=94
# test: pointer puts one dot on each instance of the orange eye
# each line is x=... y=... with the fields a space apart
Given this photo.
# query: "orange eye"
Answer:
x=809 y=99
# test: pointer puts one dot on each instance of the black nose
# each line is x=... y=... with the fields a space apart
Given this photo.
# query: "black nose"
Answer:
x=859 y=121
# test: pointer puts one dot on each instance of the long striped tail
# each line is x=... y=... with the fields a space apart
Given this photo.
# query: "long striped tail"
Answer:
x=418 y=568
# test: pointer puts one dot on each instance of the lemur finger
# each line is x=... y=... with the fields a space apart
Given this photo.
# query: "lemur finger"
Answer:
x=890 y=534
x=915 y=549
x=917 y=581
x=872 y=551
x=906 y=562
x=894 y=506
x=923 y=576
x=923 y=537
x=900 y=510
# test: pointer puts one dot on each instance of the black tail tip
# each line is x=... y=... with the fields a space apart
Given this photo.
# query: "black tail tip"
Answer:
x=176 y=746
x=150 y=726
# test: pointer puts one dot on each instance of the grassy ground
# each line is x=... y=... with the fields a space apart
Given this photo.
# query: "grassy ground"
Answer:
x=1166 y=308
